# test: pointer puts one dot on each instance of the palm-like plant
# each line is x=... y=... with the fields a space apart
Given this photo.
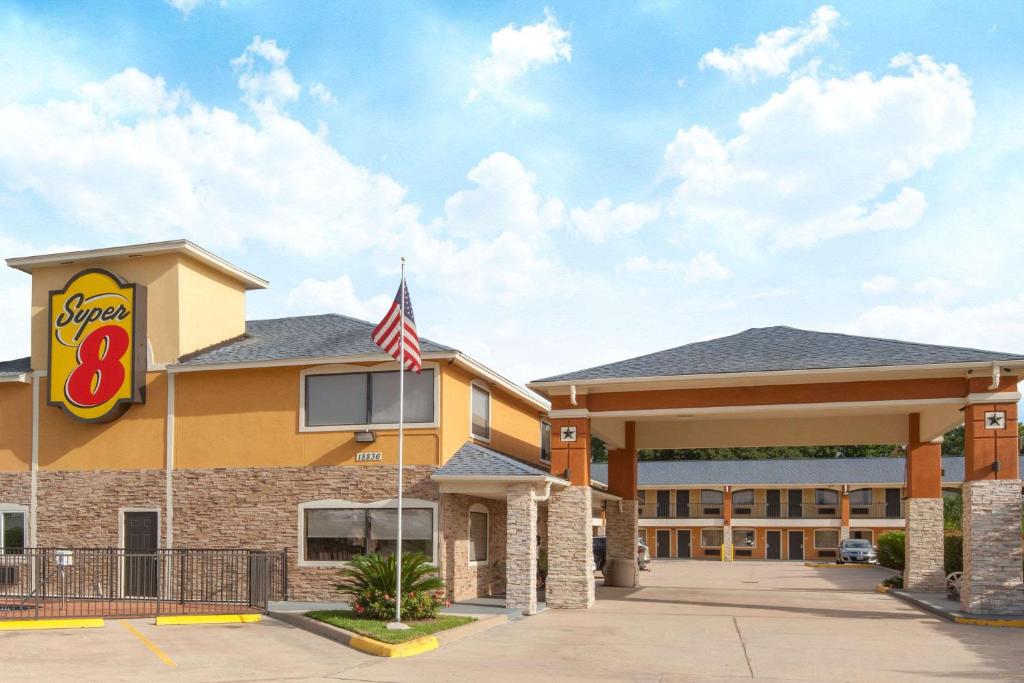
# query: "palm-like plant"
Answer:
x=369 y=584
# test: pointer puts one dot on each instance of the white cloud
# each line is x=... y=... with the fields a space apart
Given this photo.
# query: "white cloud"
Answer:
x=603 y=220
x=816 y=160
x=336 y=296
x=265 y=89
x=940 y=291
x=514 y=52
x=322 y=94
x=132 y=93
x=880 y=284
x=703 y=266
x=773 y=52
x=996 y=324
x=185 y=6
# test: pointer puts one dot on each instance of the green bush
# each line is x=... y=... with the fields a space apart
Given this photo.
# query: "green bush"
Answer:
x=952 y=512
x=892 y=549
x=369 y=585
x=953 y=554
x=894 y=582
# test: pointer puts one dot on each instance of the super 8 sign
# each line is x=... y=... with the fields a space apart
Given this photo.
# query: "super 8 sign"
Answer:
x=97 y=347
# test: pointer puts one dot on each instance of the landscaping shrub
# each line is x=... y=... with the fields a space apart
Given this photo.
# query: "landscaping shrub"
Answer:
x=952 y=512
x=894 y=582
x=369 y=585
x=892 y=549
x=953 y=554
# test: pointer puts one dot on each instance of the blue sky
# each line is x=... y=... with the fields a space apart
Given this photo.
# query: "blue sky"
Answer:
x=570 y=186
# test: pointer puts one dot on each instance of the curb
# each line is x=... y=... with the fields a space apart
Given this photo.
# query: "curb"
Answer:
x=48 y=624
x=379 y=649
x=186 y=619
x=956 y=617
x=832 y=565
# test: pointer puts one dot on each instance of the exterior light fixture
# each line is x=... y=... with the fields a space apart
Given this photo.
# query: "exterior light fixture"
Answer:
x=365 y=437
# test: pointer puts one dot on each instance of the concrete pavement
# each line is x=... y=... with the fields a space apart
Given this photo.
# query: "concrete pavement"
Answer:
x=690 y=621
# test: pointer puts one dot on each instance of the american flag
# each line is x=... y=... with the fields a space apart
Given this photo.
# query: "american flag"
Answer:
x=387 y=334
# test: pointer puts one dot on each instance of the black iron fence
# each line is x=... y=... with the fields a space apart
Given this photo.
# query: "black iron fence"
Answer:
x=880 y=510
x=113 y=582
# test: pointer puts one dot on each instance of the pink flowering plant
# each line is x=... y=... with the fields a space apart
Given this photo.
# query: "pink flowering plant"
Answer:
x=368 y=584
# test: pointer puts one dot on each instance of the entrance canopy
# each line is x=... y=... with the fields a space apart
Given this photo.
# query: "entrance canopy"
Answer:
x=779 y=386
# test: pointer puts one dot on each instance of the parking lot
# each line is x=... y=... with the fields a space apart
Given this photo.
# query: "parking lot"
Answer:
x=690 y=620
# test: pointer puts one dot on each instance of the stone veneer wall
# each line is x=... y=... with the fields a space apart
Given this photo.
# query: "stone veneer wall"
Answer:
x=923 y=565
x=622 y=529
x=992 y=548
x=258 y=508
x=463 y=580
x=521 y=549
x=16 y=488
x=570 y=583
x=81 y=509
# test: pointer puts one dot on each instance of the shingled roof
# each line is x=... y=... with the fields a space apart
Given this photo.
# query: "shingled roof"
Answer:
x=767 y=349
x=15 y=367
x=473 y=460
x=312 y=336
x=779 y=472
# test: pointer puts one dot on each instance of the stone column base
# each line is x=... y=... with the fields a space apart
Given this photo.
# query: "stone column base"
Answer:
x=922 y=569
x=570 y=583
x=993 y=582
x=622 y=531
x=844 y=533
x=521 y=549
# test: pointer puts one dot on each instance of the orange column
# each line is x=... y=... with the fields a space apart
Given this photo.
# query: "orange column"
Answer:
x=922 y=567
x=727 y=505
x=844 y=508
x=924 y=464
x=622 y=467
x=990 y=434
x=570 y=449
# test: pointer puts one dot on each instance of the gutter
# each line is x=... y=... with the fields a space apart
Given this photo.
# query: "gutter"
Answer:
x=22 y=377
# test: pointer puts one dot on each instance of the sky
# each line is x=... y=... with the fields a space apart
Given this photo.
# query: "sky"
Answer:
x=571 y=183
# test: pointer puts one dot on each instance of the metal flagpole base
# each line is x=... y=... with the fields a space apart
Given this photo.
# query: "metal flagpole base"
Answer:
x=398 y=626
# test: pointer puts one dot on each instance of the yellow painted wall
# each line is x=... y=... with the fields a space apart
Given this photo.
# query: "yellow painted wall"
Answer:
x=15 y=427
x=135 y=441
x=211 y=306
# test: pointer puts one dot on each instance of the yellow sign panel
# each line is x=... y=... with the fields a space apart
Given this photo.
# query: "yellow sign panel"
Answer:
x=97 y=364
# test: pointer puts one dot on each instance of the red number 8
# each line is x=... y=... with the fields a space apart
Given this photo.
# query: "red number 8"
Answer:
x=99 y=358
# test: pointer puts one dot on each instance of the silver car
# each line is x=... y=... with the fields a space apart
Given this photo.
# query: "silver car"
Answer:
x=856 y=550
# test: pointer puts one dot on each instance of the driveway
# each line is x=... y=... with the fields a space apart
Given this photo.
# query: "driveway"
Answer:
x=691 y=620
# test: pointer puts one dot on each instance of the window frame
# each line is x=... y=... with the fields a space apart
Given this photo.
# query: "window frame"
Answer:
x=547 y=423
x=480 y=509
x=342 y=369
x=720 y=530
x=753 y=533
x=871 y=497
x=869 y=532
x=337 y=503
x=15 y=508
x=480 y=384
x=837 y=494
x=814 y=539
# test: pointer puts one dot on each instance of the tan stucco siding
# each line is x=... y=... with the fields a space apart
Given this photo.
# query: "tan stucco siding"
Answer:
x=134 y=441
x=15 y=427
x=211 y=306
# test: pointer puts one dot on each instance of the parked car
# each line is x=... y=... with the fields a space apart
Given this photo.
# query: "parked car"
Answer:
x=643 y=554
x=856 y=550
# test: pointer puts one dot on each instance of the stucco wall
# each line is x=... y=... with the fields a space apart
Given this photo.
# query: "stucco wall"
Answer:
x=15 y=427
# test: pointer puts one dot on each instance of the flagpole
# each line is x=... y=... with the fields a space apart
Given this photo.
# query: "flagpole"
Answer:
x=401 y=440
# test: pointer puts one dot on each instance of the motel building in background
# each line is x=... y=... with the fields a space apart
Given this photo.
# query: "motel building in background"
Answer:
x=152 y=415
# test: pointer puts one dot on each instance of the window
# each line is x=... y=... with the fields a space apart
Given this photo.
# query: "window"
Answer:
x=481 y=411
x=12 y=533
x=337 y=534
x=743 y=538
x=478 y=534
x=745 y=497
x=710 y=497
x=863 y=534
x=826 y=497
x=545 y=441
x=711 y=538
x=860 y=497
x=357 y=399
x=826 y=539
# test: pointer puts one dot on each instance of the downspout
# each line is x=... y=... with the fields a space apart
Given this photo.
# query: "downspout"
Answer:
x=541 y=499
x=33 y=503
x=996 y=376
x=169 y=466
x=572 y=394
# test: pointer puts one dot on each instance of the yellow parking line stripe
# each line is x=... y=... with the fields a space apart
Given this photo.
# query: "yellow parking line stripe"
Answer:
x=149 y=644
x=181 y=619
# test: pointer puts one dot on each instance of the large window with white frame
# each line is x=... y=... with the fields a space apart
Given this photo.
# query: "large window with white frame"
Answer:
x=333 y=532
x=711 y=538
x=479 y=534
x=744 y=538
x=545 y=441
x=347 y=399
x=13 y=530
x=480 y=411
x=826 y=539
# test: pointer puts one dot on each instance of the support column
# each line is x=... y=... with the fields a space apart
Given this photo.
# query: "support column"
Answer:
x=844 y=514
x=570 y=582
x=993 y=582
x=622 y=518
x=923 y=563
x=521 y=549
x=727 y=518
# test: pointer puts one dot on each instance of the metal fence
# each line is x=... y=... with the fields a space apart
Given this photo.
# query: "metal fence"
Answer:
x=40 y=583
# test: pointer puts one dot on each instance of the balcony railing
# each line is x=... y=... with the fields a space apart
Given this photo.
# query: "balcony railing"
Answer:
x=771 y=511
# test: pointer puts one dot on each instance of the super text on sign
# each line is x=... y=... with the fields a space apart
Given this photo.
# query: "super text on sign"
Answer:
x=97 y=346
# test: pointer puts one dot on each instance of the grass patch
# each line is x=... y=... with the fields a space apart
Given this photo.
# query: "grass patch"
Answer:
x=377 y=628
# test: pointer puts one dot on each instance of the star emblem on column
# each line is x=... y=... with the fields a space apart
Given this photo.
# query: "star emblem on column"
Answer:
x=995 y=420
x=568 y=434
